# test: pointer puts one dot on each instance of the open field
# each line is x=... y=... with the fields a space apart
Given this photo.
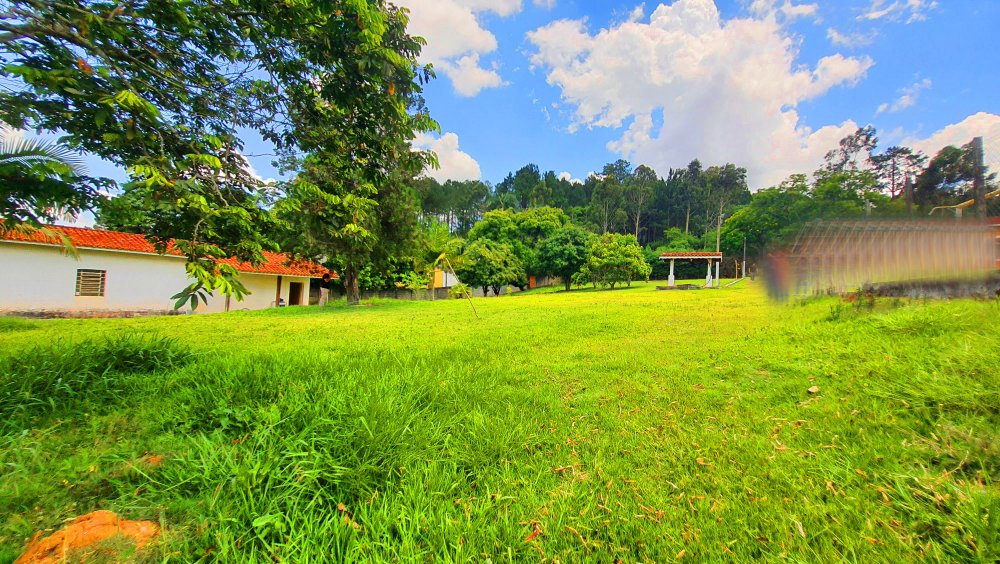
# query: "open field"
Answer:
x=632 y=424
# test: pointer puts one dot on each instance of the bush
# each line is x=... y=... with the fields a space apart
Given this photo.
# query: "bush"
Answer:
x=458 y=291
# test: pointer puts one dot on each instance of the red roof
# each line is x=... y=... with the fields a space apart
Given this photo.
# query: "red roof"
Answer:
x=691 y=254
x=274 y=263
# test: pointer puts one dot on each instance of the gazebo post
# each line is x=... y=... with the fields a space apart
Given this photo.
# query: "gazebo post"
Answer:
x=670 y=279
x=708 y=277
x=717 y=265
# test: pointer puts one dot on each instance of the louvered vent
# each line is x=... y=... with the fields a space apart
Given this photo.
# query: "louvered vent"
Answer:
x=90 y=282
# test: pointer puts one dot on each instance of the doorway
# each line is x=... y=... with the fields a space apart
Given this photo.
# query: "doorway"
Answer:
x=295 y=293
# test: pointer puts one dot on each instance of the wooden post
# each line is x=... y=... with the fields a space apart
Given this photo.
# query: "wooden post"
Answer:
x=277 y=293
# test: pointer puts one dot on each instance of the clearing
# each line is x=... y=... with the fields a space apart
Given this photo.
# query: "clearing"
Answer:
x=592 y=425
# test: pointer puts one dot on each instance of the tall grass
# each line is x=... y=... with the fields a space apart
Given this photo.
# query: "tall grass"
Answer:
x=582 y=426
x=54 y=378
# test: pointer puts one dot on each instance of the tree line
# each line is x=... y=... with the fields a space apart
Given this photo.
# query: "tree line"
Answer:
x=166 y=90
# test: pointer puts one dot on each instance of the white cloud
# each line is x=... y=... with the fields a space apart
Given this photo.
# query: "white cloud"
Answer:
x=454 y=164
x=468 y=77
x=567 y=176
x=850 y=40
x=790 y=11
x=911 y=10
x=456 y=38
x=725 y=91
x=908 y=97
x=546 y=4
x=982 y=124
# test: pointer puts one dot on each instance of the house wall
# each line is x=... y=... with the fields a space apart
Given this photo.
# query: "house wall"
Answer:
x=41 y=278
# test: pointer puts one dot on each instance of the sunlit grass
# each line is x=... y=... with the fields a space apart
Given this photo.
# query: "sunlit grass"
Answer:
x=630 y=424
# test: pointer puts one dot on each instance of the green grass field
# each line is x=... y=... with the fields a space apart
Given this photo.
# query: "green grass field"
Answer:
x=630 y=425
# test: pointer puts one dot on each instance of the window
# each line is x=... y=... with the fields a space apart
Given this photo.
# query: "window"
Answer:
x=90 y=282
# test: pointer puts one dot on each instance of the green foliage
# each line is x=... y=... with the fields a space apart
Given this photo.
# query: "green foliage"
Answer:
x=676 y=240
x=164 y=89
x=490 y=265
x=414 y=280
x=615 y=259
x=459 y=291
x=564 y=252
x=41 y=181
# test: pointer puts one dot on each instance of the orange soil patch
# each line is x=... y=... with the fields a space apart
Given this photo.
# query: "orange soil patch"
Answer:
x=83 y=534
x=153 y=460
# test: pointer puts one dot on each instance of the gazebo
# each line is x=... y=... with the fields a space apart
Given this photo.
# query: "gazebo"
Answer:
x=694 y=255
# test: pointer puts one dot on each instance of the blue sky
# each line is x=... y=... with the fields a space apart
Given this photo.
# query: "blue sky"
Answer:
x=770 y=85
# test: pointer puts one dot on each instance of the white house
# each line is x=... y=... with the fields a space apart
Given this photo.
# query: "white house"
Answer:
x=122 y=272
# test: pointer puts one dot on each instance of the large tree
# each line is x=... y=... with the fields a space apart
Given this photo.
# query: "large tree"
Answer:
x=895 y=166
x=164 y=89
x=616 y=258
x=565 y=252
x=490 y=265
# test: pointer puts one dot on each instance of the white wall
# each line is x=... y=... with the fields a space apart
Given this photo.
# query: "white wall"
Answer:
x=263 y=288
x=40 y=277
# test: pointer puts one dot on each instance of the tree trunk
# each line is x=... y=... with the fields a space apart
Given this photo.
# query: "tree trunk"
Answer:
x=687 y=219
x=351 y=286
x=567 y=281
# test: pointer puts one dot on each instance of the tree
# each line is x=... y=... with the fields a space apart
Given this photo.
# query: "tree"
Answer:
x=490 y=265
x=350 y=224
x=163 y=88
x=616 y=258
x=638 y=192
x=128 y=212
x=40 y=180
x=948 y=177
x=895 y=166
x=724 y=186
x=854 y=151
x=565 y=252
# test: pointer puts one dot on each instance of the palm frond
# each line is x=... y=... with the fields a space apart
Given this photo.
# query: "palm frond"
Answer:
x=16 y=148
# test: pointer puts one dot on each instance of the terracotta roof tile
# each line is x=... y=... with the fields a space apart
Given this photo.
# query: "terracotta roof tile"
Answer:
x=84 y=238
x=691 y=254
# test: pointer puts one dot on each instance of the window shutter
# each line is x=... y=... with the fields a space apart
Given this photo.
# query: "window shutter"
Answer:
x=90 y=282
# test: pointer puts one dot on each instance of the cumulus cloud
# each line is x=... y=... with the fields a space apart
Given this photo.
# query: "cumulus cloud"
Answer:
x=456 y=39
x=455 y=164
x=982 y=124
x=567 y=176
x=687 y=84
x=908 y=97
x=898 y=10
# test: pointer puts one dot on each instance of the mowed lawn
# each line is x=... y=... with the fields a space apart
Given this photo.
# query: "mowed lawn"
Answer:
x=632 y=425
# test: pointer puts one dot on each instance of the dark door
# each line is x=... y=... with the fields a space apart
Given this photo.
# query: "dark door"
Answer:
x=294 y=293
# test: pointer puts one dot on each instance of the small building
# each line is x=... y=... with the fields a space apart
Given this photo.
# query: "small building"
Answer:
x=122 y=273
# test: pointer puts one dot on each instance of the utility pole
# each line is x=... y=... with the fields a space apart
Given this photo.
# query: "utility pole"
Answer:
x=979 y=181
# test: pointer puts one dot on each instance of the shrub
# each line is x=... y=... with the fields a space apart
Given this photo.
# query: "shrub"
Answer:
x=458 y=291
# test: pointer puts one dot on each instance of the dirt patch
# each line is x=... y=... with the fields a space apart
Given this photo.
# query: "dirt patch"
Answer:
x=97 y=532
x=152 y=460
